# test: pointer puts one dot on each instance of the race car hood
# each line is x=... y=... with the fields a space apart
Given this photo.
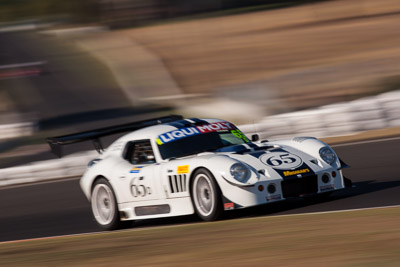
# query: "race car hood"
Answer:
x=279 y=161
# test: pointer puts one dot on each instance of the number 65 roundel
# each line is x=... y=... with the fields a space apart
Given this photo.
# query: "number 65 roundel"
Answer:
x=281 y=160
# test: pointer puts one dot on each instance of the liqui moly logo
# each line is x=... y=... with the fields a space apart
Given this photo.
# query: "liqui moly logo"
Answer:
x=190 y=131
x=215 y=127
x=177 y=134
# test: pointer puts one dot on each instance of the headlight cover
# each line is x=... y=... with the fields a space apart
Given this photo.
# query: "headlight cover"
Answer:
x=327 y=155
x=240 y=172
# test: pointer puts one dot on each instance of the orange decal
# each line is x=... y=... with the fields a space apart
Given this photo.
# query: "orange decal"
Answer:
x=183 y=169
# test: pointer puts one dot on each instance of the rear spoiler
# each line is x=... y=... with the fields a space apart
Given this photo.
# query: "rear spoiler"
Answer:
x=94 y=135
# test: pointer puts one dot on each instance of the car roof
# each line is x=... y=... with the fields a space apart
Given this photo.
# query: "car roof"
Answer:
x=152 y=132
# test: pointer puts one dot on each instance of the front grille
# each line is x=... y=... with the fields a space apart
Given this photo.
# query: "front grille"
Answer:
x=177 y=183
x=300 y=186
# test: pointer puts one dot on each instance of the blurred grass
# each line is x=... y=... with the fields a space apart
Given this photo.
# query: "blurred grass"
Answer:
x=74 y=10
x=72 y=78
x=354 y=238
x=91 y=11
x=309 y=55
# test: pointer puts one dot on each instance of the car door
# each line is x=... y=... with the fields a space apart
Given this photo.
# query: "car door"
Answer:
x=136 y=173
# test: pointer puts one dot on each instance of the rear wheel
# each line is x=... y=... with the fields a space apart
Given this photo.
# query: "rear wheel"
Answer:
x=206 y=196
x=104 y=205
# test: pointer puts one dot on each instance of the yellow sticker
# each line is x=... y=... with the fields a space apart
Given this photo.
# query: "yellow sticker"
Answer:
x=159 y=142
x=183 y=169
x=289 y=173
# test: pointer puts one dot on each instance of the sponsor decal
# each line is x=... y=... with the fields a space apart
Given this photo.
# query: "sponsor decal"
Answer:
x=215 y=127
x=176 y=135
x=327 y=187
x=183 y=169
x=290 y=173
x=190 y=131
x=278 y=196
x=229 y=206
x=240 y=135
x=281 y=160
x=286 y=164
x=136 y=169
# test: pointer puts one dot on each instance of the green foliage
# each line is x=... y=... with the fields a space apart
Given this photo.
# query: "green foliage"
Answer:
x=89 y=10
x=77 y=10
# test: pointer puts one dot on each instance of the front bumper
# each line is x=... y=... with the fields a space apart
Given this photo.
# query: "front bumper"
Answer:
x=272 y=190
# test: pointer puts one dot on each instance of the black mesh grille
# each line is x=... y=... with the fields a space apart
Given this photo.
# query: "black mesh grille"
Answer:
x=300 y=186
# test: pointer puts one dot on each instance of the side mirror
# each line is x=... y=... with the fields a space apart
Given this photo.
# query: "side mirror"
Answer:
x=255 y=137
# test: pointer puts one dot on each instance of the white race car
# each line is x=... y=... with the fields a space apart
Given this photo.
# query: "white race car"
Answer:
x=172 y=166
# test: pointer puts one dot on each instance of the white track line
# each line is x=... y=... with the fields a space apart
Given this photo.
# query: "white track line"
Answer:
x=367 y=142
x=187 y=224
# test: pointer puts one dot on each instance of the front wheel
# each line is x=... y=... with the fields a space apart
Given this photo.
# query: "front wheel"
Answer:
x=206 y=196
x=104 y=205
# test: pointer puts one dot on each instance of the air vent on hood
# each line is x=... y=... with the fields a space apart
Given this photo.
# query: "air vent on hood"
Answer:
x=316 y=162
x=302 y=139
x=261 y=172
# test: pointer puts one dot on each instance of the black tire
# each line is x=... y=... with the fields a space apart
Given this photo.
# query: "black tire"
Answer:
x=206 y=196
x=347 y=182
x=104 y=205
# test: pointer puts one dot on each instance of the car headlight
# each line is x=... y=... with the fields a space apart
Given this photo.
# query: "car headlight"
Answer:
x=327 y=155
x=240 y=172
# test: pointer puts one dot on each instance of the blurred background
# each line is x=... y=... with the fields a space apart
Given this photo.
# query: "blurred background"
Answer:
x=278 y=68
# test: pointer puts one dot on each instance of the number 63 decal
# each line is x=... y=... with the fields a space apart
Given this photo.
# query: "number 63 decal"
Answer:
x=281 y=160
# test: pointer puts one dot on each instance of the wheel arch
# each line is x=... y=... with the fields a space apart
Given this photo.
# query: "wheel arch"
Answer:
x=98 y=177
x=217 y=177
x=191 y=177
x=193 y=172
x=218 y=212
x=115 y=221
x=95 y=179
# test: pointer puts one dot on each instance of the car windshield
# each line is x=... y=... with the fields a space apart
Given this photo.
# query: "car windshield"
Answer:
x=204 y=142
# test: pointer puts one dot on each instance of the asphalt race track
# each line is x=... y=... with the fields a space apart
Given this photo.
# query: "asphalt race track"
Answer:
x=59 y=208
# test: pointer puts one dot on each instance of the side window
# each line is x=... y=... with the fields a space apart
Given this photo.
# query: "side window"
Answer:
x=139 y=152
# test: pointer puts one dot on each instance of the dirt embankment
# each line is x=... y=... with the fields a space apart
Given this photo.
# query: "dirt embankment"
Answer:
x=309 y=55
